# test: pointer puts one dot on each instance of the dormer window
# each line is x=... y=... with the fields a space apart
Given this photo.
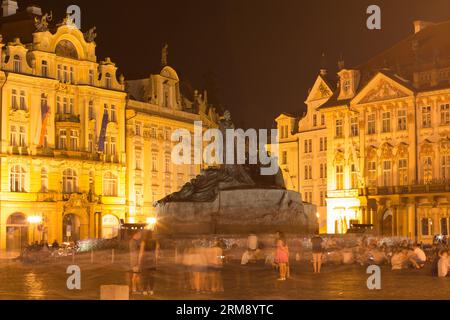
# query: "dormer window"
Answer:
x=108 y=81
x=17 y=65
x=346 y=86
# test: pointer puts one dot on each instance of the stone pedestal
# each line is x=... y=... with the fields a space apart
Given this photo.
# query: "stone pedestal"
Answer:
x=114 y=292
x=240 y=211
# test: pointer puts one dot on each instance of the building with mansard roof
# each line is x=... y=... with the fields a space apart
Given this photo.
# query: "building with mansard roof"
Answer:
x=387 y=125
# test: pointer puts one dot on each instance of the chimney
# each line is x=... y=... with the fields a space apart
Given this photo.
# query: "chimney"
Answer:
x=34 y=9
x=419 y=25
x=9 y=7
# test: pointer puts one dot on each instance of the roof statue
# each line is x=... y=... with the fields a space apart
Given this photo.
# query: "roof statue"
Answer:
x=68 y=21
x=90 y=35
x=42 y=22
x=164 y=55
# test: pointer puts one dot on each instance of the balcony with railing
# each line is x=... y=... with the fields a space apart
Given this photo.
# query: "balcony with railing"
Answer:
x=67 y=117
x=433 y=186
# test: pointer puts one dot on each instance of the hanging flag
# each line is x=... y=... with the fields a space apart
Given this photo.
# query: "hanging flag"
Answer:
x=45 y=114
x=101 y=140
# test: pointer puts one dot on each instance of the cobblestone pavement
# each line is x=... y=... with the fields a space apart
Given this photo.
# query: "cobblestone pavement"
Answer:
x=48 y=281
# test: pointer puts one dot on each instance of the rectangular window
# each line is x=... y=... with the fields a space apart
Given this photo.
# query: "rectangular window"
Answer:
x=402 y=120
x=44 y=71
x=445 y=114
x=371 y=123
x=91 y=77
x=386 y=121
x=62 y=139
x=427 y=169
x=58 y=105
x=59 y=72
x=315 y=120
x=444 y=226
x=445 y=167
x=14 y=100
x=354 y=177
x=90 y=143
x=426 y=117
x=91 y=110
x=74 y=140
x=340 y=177
x=310 y=145
x=372 y=173
x=22 y=137
x=71 y=106
x=403 y=172
x=113 y=146
x=138 y=129
x=354 y=128
x=321 y=171
x=306 y=146
x=113 y=114
x=65 y=74
x=65 y=106
x=72 y=75
x=155 y=163
x=138 y=161
x=426 y=224
x=23 y=99
x=13 y=136
x=322 y=119
x=387 y=173
x=339 y=125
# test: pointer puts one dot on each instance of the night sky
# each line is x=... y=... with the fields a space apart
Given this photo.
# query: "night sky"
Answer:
x=258 y=57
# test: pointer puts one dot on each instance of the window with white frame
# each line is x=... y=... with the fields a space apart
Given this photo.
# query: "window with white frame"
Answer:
x=386 y=122
x=403 y=172
x=339 y=177
x=70 y=181
x=354 y=127
x=401 y=120
x=108 y=81
x=44 y=69
x=339 y=128
x=387 y=173
x=154 y=163
x=23 y=100
x=91 y=110
x=354 y=177
x=445 y=167
x=17 y=179
x=44 y=180
x=17 y=64
x=91 y=77
x=22 y=136
x=372 y=173
x=445 y=114
x=426 y=117
x=13 y=136
x=14 y=100
x=371 y=123
x=62 y=142
x=113 y=114
x=110 y=185
x=74 y=139
x=427 y=169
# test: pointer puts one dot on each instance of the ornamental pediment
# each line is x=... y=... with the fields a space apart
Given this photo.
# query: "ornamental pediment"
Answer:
x=381 y=88
x=319 y=91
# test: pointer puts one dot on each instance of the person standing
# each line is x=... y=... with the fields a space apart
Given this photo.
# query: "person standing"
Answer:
x=148 y=257
x=443 y=264
x=134 y=247
x=317 y=251
x=282 y=258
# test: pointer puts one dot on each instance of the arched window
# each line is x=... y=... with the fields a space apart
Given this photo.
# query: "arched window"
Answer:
x=70 y=181
x=17 y=64
x=66 y=49
x=17 y=179
x=110 y=185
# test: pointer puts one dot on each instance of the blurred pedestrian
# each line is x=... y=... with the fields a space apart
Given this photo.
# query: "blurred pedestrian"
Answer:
x=134 y=249
x=317 y=250
x=282 y=258
x=148 y=257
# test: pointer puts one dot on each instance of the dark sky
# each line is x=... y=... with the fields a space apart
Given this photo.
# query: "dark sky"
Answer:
x=264 y=54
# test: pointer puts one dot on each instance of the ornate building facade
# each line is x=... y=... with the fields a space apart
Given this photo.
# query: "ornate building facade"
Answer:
x=79 y=154
x=388 y=131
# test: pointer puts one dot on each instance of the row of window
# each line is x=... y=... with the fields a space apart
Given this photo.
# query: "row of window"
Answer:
x=386 y=121
x=309 y=172
x=65 y=73
x=427 y=226
x=18 y=176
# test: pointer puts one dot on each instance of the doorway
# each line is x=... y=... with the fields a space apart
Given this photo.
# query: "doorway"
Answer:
x=71 y=228
x=16 y=232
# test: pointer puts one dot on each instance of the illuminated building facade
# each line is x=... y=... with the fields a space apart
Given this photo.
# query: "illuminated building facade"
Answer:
x=388 y=130
x=66 y=119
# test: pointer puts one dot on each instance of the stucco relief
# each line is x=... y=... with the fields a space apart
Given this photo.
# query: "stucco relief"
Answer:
x=383 y=91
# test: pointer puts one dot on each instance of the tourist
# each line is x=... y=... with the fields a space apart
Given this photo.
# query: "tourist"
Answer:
x=55 y=245
x=317 y=251
x=399 y=259
x=198 y=267
x=443 y=264
x=418 y=257
x=134 y=247
x=187 y=264
x=282 y=258
x=148 y=255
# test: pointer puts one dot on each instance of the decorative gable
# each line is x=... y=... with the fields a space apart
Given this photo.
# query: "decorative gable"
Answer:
x=319 y=91
x=381 y=88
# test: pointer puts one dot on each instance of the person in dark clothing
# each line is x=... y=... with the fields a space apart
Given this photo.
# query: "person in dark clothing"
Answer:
x=148 y=259
x=317 y=250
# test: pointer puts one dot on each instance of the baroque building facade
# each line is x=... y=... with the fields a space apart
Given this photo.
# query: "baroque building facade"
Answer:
x=388 y=130
x=79 y=154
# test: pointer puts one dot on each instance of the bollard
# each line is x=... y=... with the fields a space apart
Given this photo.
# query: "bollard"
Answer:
x=92 y=256
x=112 y=256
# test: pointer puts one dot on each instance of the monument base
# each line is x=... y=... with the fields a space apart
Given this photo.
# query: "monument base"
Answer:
x=239 y=211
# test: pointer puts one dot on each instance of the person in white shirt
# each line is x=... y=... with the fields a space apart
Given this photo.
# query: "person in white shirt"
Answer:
x=418 y=257
x=443 y=264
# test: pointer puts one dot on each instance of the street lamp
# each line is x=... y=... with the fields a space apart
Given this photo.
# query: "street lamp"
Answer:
x=151 y=222
x=34 y=220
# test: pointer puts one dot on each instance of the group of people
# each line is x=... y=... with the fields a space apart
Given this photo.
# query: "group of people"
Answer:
x=203 y=267
x=144 y=254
